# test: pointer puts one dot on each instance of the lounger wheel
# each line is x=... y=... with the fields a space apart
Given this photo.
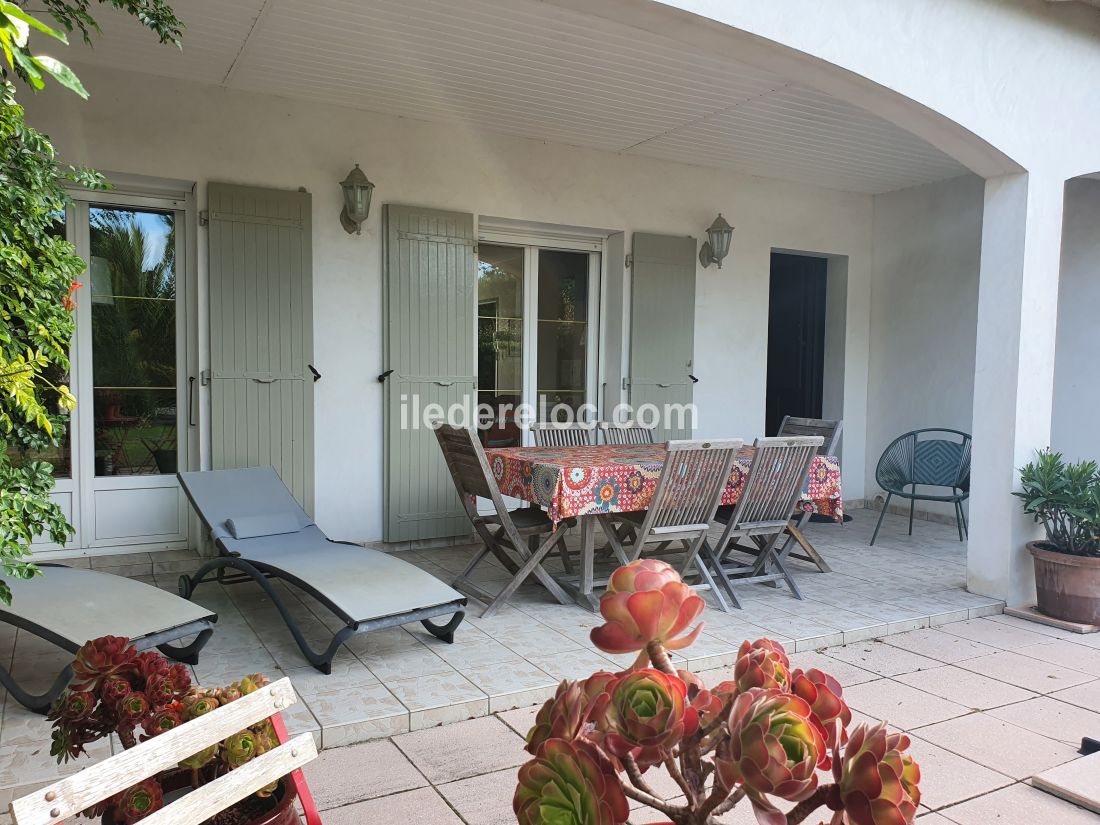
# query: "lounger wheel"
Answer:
x=184 y=588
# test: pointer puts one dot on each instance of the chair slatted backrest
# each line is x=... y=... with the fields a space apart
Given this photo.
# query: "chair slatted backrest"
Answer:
x=776 y=478
x=691 y=484
x=551 y=434
x=932 y=457
x=68 y=797
x=632 y=433
x=472 y=476
x=828 y=429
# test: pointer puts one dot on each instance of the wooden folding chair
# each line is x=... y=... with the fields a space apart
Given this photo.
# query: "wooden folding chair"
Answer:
x=762 y=515
x=512 y=537
x=550 y=434
x=68 y=797
x=830 y=430
x=630 y=433
x=689 y=491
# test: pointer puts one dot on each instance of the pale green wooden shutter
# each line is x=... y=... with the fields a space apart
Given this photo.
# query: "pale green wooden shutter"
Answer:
x=430 y=291
x=261 y=333
x=662 y=324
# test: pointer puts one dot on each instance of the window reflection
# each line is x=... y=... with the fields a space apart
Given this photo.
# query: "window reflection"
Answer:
x=562 y=328
x=132 y=274
x=500 y=339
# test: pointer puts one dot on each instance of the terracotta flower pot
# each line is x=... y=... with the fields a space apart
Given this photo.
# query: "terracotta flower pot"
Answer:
x=1068 y=586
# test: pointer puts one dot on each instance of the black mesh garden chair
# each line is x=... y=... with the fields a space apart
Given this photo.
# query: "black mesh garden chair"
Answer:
x=926 y=458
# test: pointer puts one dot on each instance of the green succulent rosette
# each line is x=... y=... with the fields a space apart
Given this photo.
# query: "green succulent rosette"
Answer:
x=569 y=783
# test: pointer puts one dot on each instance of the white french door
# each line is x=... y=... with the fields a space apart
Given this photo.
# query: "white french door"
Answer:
x=537 y=331
x=115 y=470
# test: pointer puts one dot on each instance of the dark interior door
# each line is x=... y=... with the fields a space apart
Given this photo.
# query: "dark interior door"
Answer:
x=796 y=338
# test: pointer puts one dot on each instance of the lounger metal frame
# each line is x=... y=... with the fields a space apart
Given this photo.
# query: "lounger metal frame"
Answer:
x=261 y=573
x=41 y=703
x=214 y=570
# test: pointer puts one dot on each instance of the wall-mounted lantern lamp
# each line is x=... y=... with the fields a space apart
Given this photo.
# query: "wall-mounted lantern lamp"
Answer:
x=357 y=192
x=717 y=245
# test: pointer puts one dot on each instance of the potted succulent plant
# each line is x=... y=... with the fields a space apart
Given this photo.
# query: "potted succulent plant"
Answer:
x=1065 y=499
x=135 y=696
x=769 y=733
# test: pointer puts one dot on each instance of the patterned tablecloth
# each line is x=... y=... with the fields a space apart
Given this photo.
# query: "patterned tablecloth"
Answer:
x=582 y=481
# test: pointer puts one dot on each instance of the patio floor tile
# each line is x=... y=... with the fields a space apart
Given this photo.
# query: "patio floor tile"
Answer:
x=882 y=659
x=1085 y=696
x=521 y=719
x=995 y=634
x=947 y=778
x=340 y=776
x=997 y=744
x=845 y=673
x=439 y=698
x=1052 y=718
x=485 y=799
x=423 y=806
x=453 y=752
x=1066 y=654
x=1019 y=805
x=969 y=689
x=943 y=647
x=1025 y=672
x=901 y=705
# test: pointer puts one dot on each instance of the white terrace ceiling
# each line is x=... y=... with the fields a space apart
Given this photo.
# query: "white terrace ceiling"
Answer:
x=532 y=69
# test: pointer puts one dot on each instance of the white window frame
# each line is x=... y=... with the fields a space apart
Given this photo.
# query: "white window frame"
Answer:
x=129 y=192
x=501 y=232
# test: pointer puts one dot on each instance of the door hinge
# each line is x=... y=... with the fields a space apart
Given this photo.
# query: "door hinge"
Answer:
x=629 y=262
x=204 y=217
x=204 y=377
x=626 y=383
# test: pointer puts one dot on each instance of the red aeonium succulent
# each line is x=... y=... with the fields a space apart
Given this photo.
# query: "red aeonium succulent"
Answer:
x=572 y=711
x=646 y=601
x=138 y=802
x=773 y=750
x=878 y=780
x=569 y=783
x=647 y=716
x=825 y=697
x=101 y=658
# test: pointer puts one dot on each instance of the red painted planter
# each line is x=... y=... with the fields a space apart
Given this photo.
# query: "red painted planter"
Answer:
x=284 y=812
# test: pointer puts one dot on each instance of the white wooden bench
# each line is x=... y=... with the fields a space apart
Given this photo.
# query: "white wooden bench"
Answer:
x=70 y=796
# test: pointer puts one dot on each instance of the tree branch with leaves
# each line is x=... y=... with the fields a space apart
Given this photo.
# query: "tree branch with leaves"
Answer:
x=39 y=270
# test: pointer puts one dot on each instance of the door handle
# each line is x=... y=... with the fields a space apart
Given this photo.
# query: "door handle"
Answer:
x=265 y=380
x=663 y=386
x=694 y=380
x=191 y=401
x=316 y=375
x=383 y=376
x=444 y=383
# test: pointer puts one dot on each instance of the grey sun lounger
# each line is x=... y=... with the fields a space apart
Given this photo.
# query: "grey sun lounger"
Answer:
x=262 y=533
x=68 y=606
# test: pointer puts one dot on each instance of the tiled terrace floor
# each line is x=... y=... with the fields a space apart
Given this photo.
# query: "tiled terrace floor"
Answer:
x=390 y=682
x=988 y=703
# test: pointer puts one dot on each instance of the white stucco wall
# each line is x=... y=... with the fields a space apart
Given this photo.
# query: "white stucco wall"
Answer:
x=1077 y=363
x=149 y=126
x=924 y=299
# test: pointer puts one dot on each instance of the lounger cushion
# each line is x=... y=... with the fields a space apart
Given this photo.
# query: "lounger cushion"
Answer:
x=268 y=524
x=77 y=605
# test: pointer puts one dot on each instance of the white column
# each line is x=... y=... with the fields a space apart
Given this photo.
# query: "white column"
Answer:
x=1014 y=374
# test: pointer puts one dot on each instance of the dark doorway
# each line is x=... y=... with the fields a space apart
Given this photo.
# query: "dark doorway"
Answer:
x=796 y=338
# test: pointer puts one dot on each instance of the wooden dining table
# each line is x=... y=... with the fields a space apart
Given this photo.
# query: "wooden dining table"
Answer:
x=593 y=483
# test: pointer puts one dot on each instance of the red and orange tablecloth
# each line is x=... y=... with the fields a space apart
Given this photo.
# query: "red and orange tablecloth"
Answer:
x=611 y=478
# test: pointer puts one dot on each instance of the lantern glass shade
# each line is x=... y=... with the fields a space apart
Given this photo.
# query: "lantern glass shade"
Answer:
x=719 y=236
x=357 y=193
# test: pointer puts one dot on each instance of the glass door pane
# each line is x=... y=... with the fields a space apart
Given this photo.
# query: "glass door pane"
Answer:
x=562 y=329
x=500 y=340
x=132 y=274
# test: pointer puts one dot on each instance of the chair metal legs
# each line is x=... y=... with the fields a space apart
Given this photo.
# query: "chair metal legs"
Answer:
x=960 y=521
x=881 y=516
x=912 y=508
